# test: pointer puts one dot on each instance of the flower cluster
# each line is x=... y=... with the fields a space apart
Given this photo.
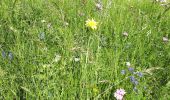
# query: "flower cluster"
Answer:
x=133 y=80
x=119 y=94
x=9 y=55
x=133 y=75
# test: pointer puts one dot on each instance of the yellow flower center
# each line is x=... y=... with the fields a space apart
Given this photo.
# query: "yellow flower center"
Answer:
x=92 y=24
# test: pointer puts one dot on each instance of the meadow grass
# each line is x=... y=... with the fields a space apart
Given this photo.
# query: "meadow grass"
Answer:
x=48 y=53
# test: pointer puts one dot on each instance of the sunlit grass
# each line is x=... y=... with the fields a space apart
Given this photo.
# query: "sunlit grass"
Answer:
x=49 y=52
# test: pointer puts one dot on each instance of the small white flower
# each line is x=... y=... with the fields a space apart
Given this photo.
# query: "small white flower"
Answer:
x=45 y=49
x=66 y=23
x=76 y=59
x=43 y=21
x=48 y=25
x=125 y=34
x=57 y=58
x=165 y=39
x=99 y=6
x=128 y=64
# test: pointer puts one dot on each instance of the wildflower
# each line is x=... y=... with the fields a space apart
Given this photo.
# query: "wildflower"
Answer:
x=91 y=24
x=99 y=6
x=162 y=1
x=125 y=34
x=133 y=80
x=66 y=23
x=165 y=39
x=49 y=25
x=76 y=59
x=43 y=21
x=42 y=35
x=131 y=69
x=119 y=94
x=57 y=58
x=10 y=55
x=3 y=54
x=140 y=74
x=128 y=64
x=123 y=72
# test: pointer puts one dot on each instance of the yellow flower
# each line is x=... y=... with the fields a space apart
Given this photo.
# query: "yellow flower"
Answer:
x=92 y=24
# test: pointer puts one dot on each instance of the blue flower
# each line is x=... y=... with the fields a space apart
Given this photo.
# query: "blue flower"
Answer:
x=131 y=69
x=140 y=74
x=133 y=80
x=3 y=54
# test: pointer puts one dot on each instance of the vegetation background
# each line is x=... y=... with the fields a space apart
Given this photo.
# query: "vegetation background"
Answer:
x=47 y=52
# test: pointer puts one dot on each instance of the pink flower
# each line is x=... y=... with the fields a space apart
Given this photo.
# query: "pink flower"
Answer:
x=162 y=1
x=119 y=94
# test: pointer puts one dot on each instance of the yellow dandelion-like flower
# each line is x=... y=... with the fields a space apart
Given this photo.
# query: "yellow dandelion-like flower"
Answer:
x=91 y=24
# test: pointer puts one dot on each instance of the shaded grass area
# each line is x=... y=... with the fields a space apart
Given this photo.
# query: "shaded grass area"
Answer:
x=39 y=41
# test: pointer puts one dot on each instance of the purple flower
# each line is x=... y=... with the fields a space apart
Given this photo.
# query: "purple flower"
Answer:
x=140 y=74
x=131 y=69
x=133 y=80
x=123 y=72
x=119 y=94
